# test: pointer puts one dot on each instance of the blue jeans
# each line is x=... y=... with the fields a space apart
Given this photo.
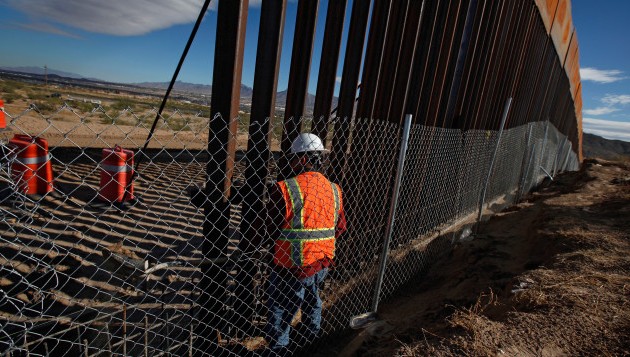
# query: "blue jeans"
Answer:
x=286 y=295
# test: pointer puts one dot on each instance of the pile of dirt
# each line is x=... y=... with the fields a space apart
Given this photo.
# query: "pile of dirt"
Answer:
x=548 y=277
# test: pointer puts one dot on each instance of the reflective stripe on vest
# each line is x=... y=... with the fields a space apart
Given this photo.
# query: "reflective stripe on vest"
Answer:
x=296 y=235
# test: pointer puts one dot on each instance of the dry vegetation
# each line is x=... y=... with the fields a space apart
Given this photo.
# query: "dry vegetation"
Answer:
x=71 y=116
x=548 y=277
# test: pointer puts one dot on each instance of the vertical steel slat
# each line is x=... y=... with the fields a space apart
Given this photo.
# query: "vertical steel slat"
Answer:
x=387 y=75
x=445 y=61
x=365 y=106
x=461 y=115
x=270 y=31
x=463 y=56
x=404 y=77
x=389 y=64
x=226 y=84
x=526 y=54
x=226 y=81
x=348 y=88
x=482 y=65
x=328 y=67
x=427 y=59
x=345 y=109
x=498 y=74
x=485 y=115
x=372 y=63
x=533 y=69
x=306 y=19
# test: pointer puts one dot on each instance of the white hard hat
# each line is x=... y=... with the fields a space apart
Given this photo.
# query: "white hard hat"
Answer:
x=306 y=142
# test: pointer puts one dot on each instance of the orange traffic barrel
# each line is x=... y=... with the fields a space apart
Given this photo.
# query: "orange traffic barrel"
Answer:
x=3 y=122
x=31 y=169
x=116 y=175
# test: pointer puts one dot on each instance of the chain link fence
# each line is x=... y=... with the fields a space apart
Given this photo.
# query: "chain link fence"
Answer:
x=98 y=264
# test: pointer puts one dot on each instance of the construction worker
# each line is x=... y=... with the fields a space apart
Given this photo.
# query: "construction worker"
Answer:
x=305 y=218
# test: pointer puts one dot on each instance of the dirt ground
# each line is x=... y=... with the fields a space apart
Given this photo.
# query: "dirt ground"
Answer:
x=548 y=277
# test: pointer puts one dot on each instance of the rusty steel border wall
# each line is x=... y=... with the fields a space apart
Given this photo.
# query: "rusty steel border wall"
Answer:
x=448 y=63
x=451 y=64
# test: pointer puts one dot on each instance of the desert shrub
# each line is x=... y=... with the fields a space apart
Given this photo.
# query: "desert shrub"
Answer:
x=10 y=86
x=36 y=95
x=178 y=124
x=84 y=107
x=123 y=104
x=11 y=97
x=45 y=107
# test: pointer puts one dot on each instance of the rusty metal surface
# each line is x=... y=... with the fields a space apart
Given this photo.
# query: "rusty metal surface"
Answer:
x=547 y=10
x=449 y=63
x=562 y=28
x=328 y=67
x=348 y=86
x=389 y=65
x=446 y=59
x=404 y=78
x=572 y=65
x=226 y=81
x=303 y=38
x=472 y=17
x=526 y=50
x=263 y=107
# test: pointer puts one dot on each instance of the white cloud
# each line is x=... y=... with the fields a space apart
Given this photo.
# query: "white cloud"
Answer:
x=44 y=27
x=601 y=75
x=612 y=99
x=612 y=103
x=608 y=129
x=113 y=17
x=600 y=111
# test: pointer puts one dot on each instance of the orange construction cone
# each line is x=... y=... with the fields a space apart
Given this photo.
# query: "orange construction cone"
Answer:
x=31 y=168
x=116 y=175
x=3 y=123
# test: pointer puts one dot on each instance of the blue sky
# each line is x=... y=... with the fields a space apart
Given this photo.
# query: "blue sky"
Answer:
x=603 y=29
x=141 y=40
x=123 y=42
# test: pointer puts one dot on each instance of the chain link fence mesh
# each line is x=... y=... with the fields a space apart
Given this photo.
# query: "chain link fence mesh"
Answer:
x=90 y=271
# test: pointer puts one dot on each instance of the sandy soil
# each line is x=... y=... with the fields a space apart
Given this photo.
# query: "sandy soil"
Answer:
x=548 y=277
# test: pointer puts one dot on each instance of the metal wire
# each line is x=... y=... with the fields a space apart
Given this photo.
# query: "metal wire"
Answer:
x=81 y=274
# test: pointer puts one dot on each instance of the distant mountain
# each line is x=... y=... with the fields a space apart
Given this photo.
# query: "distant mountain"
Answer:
x=246 y=91
x=281 y=100
x=596 y=146
x=206 y=89
x=41 y=71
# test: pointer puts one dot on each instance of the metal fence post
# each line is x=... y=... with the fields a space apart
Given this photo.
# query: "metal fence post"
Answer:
x=363 y=319
x=527 y=158
x=566 y=157
x=392 y=211
x=544 y=146
x=506 y=110
x=556 y=161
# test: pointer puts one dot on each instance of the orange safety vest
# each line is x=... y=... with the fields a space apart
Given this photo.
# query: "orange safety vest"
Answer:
x=313 y=206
